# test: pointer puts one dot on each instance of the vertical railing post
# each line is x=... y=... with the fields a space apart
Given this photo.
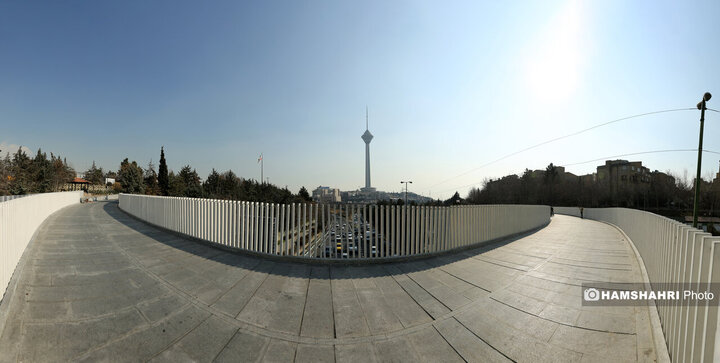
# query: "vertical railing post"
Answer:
x=303 y=228
x=253 y=226
x=352 y=223
x=374 y=231
x=364 y=227
x=315 y=237
x=246 y=225
x=272 y=237
x=288 y=221
x=283 y=229
x=338 y=230
x=292 y=229
x=266 y=238
x=391 y=228
x=238 y=224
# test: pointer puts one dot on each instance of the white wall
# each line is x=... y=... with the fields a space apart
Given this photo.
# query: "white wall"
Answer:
x=305 y=230
x=685 y=257
x=19 y=218
x=570 y=211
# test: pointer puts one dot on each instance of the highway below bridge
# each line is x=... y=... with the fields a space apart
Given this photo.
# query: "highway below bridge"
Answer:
x=98 y=285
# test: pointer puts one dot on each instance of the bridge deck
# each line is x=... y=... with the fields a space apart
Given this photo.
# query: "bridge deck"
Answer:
x=99 y=285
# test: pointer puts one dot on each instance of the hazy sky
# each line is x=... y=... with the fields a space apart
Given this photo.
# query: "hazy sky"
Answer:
x=450 y=86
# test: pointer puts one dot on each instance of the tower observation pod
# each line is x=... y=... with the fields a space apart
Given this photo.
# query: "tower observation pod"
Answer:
x=367 y=137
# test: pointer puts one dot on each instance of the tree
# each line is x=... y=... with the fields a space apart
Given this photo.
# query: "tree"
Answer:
x=177 y=187
x=61 y=172
x=4 y=174
x=455 y=200
x=150 y=179
x=130 y=176
x=95 y=175
x=212 y=187
x=163 y=179
x=304 y=195
x=19 y=173
x=40 y=172
x=230 y=185
x=551 y=175
x=474 y=196
x=191 y=182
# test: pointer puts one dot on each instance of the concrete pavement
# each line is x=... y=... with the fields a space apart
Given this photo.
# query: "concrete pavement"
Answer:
x=98 y=285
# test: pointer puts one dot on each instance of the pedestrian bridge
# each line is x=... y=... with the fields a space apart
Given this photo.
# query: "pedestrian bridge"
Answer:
x=98 y=285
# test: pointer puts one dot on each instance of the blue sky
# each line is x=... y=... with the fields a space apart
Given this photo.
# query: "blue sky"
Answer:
x=450 y=86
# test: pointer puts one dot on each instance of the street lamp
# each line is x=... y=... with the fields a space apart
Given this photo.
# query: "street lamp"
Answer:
x=406 y=187
x=701 y=106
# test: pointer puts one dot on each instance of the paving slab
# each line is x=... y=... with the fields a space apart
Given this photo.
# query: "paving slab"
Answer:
x=467 y=344
x=317 y=318
x=99 y=285
x=280 y=351
x=355 y=352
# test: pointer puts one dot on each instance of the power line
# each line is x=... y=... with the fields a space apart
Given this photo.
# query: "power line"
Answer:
x=560 y=138
x=604 y=158
x=638 y=153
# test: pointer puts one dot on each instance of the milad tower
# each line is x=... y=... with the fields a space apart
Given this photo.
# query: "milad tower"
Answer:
x=367 y=137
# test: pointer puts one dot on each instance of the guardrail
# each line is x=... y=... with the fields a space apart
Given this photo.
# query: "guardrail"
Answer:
x=5 y=198
x=19 y=218
x=684 y=258
x=323 y=231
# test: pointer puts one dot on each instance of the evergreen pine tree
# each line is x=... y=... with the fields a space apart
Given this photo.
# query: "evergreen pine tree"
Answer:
x=163 y=180
x=304 y=195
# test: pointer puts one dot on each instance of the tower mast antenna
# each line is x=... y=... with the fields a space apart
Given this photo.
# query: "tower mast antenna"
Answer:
x=367 y=137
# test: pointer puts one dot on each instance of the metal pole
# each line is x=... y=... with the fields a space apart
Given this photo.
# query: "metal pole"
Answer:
x=699 y=163
x=406 y=184
x=406 y=189
x=702 y=108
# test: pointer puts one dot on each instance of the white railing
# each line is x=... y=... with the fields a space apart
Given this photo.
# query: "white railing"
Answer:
x=686 y=258
x=5 y=198
x=19 y=218
x=322 y=231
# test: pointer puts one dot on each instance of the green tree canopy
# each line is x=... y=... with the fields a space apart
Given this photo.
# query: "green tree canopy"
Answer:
x=304 y=195
x=191 y=182
x=95 y=175
x=130 y=176
x=150 y=179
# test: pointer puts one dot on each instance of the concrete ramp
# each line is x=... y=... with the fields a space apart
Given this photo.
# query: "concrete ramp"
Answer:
x=97 y=285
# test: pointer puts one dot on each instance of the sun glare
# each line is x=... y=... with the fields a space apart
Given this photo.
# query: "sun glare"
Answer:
x=555 y=55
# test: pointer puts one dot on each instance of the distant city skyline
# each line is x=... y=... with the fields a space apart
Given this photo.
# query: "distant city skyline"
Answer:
x=452 y=87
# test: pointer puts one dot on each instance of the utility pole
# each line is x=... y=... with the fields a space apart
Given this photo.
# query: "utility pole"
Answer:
x=701 y=106
x=406 y=188
x=260 y=160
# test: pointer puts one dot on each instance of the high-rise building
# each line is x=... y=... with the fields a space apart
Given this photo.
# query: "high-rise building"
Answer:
x=367 y=137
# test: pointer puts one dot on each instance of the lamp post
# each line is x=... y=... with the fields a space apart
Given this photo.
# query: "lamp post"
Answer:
x=701 y=106
x=406 y=188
